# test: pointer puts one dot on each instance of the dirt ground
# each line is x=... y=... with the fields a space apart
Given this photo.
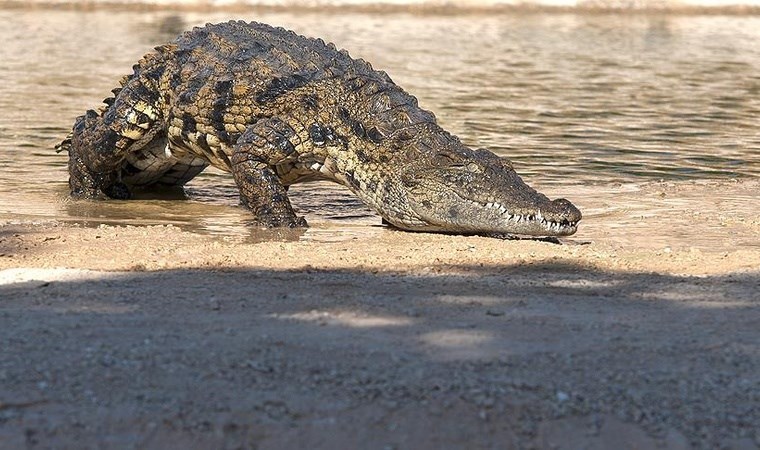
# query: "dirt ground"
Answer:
x=155 y=337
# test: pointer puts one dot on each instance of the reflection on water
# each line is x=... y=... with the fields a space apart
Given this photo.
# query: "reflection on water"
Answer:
x=713 y=215
x=578 y=102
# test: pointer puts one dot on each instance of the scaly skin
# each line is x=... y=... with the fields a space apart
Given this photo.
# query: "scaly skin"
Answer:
x=274 y=109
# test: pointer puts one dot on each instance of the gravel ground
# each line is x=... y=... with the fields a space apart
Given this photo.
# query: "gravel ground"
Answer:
x=154 y=337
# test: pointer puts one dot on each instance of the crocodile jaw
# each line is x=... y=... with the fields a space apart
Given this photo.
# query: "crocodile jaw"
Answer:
x=483 y=196
x=557 y=218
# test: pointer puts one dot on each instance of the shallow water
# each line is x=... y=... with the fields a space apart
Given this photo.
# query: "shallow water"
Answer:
x=581 y=103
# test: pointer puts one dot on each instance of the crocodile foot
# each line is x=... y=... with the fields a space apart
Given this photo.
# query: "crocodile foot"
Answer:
x=86 y=184
x=279 y=222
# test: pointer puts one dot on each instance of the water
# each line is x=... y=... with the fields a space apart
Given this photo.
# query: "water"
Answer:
x=582 y=103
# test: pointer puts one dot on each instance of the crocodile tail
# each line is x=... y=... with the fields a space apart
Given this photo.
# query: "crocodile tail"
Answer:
x=65 y=145
x=115 y=91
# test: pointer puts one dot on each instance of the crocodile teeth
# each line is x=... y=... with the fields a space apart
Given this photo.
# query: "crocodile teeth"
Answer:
x=554 y=226
x=540 y=219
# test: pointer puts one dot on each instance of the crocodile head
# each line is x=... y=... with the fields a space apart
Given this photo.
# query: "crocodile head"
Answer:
x=474 y=191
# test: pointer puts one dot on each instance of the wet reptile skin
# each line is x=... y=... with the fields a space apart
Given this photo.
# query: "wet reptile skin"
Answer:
x=275 y=108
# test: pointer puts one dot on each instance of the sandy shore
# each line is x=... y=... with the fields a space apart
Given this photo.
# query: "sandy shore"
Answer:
x=155 y=337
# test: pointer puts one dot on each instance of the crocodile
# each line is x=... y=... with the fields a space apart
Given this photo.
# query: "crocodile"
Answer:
x=274 y=108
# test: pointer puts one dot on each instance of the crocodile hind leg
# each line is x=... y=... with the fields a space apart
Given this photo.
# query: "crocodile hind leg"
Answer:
x=100 y=142
x=92 y=172
x=263 y=145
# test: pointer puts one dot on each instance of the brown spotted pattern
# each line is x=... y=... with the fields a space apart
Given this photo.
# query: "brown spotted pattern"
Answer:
x=275 y=108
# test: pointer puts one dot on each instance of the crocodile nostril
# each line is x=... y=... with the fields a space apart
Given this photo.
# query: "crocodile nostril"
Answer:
x=567 y=210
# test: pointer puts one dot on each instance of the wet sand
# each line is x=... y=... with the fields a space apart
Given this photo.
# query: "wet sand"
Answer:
x=632 y=334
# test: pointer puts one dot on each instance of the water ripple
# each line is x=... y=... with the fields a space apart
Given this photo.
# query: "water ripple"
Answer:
x=585 y=99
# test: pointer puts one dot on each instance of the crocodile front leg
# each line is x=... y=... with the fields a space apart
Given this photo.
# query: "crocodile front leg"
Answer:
x=263 y=145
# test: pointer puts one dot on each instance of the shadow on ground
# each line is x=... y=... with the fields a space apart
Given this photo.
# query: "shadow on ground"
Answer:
x=482 y=357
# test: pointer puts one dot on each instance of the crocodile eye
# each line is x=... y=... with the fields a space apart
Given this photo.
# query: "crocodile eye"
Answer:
x=485 y=155
x=474 y=167
x=445 y=159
